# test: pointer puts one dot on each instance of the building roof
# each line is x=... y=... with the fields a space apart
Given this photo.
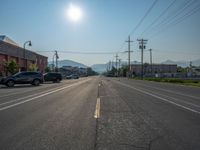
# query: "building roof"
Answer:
x=16 y=51
x=7 y=40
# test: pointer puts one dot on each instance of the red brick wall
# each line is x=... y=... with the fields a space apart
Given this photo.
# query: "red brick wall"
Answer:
x=3 y=59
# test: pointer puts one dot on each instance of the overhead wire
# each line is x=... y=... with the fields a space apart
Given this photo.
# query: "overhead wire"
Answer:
x=146 y=14
x=177 y=21
x=139 y=23
x=84 y=53
x=174 y=17
x=157 y=18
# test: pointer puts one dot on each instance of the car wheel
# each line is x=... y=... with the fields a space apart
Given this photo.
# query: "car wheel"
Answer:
x=36 y=82
x=10 y=83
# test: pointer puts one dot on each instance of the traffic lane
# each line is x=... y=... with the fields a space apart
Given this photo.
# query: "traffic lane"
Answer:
x=118 y=127
x=19 y=101
x=63 y=120
x=176 y=128
x=19 y=91
x=183 y=90
x=4 y=90
x=190 y=101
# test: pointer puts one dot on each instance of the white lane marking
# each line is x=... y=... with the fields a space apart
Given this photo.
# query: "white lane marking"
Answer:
x=191 y=96
x=97 y=110
x=11 y=93
x=181 y=101
x=158 y=97
x=42 y=95
x=29 y=95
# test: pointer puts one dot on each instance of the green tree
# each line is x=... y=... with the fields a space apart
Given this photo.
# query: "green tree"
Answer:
x=91 y=72
x=11 y=66
x=181 y=69
x=124 y=70
x=47 y=69
x=32 y=67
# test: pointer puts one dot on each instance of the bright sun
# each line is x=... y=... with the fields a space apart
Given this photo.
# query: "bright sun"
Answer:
x=74 y=13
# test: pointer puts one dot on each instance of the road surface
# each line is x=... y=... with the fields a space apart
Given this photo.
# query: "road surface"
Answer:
x=98 y=113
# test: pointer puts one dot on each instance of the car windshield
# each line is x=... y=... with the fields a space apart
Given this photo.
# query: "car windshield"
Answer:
x=100 y=75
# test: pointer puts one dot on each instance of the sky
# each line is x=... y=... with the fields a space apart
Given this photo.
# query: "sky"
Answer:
x=104 y=27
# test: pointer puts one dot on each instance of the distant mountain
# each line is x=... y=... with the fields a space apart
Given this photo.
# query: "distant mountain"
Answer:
x=100 y=68
x=183 y=63
x=196 y=62
x=69 y=63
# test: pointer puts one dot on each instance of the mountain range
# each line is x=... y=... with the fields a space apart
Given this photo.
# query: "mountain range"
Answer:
x=100 y=68
x=72 y=63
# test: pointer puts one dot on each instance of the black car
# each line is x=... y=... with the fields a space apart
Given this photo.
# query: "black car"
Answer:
x=25 y=77
x=53 y=76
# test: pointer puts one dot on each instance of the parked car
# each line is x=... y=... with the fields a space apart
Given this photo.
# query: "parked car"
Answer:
x=72 y=76
x=53 y=76
x=25 y=77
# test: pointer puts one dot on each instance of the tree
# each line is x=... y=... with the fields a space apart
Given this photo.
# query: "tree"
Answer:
x=32 y=67
x=11 y=66
x=124 y=70
x=181 y=69
x=91 y=72
x=47 y=69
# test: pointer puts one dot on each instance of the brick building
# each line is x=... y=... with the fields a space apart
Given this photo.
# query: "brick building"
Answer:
x=9 y=50
x=162 y=69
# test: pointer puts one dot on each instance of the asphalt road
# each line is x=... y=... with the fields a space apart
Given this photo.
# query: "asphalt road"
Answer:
x=98 y=113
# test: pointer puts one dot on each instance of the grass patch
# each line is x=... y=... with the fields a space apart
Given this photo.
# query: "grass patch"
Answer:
x=175 y=80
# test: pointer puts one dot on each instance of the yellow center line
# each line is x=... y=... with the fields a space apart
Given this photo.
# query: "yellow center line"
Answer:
x=97 y=110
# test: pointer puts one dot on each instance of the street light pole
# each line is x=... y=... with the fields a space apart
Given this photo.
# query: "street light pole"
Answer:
x=29 y=44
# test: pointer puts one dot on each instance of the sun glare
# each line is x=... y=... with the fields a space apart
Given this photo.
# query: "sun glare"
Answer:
x=74 y=13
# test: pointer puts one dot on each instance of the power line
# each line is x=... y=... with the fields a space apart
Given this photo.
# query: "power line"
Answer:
x=85 y=53
x=176 y=52
x=171 y=19
x=174 y=14
x=157 y=18
x=140 y=22
x=179 y=20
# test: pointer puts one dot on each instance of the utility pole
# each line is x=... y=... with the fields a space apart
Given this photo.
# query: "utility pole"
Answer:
x=116 y=61
x=56 y=54
x=150 y=50
x=109 y=65
x=119 y=63
x=142 y=46
x=53 y=67
x=129 y=55
x=112 y=64
x=119 y=66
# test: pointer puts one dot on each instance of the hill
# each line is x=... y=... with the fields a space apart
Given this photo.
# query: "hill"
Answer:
x=69 y=63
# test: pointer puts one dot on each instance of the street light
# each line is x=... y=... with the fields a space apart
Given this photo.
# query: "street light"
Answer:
x=29 y=44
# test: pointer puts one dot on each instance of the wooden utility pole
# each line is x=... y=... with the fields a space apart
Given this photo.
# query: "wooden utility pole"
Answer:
x=151 y=63
x=142 y=46
x=129 y=55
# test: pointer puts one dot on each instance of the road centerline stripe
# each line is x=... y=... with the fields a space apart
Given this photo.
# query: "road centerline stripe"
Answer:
x=97 y=110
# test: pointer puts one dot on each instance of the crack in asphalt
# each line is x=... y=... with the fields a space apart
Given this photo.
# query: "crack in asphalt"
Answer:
x=125 y=144
x=152 y=141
